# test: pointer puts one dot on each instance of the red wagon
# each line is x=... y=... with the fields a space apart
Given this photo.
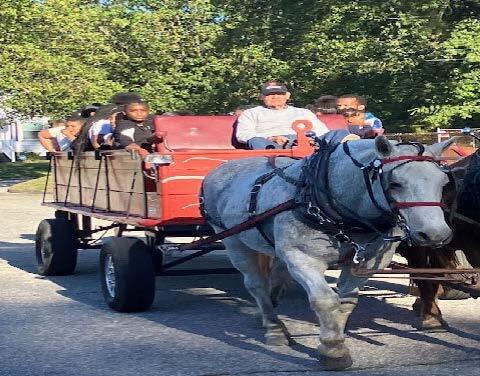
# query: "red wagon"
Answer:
x=158 y=196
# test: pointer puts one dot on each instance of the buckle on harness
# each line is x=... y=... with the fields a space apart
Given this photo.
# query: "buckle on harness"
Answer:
x=314 y=211
x=360 y=251
x=342 y=238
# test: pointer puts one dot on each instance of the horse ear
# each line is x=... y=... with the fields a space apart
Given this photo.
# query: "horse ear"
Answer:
x=438 y=148
x=383 y=146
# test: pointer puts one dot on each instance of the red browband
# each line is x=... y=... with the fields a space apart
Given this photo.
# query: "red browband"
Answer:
x=408 y=158
x=403 y=205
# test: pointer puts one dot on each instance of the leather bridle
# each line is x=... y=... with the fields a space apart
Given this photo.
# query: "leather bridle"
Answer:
x=375 y=168
x=408 y=159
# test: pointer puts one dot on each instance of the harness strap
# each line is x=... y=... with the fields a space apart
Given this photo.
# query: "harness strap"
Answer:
x=246 y=225
x=368 y=181
x=412 y=158
x=259 y=182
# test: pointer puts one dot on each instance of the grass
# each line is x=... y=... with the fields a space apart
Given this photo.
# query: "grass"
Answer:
x=23 y=170
x=31 y=186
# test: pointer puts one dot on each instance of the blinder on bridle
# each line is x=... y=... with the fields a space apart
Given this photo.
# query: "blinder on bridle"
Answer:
x=374 y=170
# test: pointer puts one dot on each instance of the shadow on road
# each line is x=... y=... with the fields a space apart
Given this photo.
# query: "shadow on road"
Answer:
x=218 y=307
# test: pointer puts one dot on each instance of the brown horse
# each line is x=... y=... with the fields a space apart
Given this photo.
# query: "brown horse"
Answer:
x=462 y=197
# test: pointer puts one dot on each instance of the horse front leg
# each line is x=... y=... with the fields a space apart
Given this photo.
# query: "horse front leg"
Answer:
x=349 y=285
x=426 y=306
x=310 y=273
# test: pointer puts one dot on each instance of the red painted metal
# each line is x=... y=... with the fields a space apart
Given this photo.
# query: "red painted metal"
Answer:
x=209 y=142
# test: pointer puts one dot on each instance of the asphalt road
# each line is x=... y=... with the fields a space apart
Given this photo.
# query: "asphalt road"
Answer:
x=199 y=325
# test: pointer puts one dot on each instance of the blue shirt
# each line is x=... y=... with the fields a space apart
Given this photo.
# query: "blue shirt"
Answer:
x=373 y=121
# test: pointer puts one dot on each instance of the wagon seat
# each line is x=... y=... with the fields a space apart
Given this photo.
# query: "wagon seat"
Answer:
x=187 y=149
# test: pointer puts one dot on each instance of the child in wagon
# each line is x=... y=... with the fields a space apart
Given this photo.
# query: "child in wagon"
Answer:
x=361 y=123
x=60 y=138
x=134 y=129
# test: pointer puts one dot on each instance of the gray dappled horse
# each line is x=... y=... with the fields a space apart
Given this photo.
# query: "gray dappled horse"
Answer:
x=307 y=248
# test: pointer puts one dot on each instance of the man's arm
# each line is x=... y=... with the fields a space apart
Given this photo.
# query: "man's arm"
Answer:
x=245 y=127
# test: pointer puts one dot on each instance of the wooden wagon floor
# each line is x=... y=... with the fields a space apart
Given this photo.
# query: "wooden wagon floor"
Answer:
x=199 y=325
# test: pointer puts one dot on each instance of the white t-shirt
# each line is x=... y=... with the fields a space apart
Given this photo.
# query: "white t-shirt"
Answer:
x=264 y=122
x=101 y=127
x=63 y=142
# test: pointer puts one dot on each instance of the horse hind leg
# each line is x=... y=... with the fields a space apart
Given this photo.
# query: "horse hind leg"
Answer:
x=256 y=268
x=279 y=279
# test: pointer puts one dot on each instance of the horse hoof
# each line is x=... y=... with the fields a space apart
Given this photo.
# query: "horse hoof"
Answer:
x=417 y=307
x=276 y=339
x=328 y=363
x=433 y=324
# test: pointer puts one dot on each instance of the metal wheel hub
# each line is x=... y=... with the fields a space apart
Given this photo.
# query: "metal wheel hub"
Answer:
x=110 y=276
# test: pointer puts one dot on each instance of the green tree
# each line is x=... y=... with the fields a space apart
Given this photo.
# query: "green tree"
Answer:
x=55 y=55
x=455 y=101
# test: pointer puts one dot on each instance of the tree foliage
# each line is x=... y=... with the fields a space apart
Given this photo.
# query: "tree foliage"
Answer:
x=417 y=62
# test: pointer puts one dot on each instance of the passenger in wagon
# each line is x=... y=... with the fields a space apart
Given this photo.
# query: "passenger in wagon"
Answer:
x=325 y=107
x=60 y=138
x=269 y=126
x=100 y=132
x=133 y=131
x=361 y=123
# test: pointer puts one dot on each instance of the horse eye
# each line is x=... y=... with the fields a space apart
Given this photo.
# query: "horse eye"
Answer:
x=394 y=185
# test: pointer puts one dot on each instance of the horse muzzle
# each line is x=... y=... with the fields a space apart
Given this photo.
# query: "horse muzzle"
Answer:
x=432 y=239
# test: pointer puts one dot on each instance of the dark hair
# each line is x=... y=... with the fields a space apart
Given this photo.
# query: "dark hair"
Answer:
x=125 y=98
x=361 y=100
x=86 y=111
x=141 y=102
x=76 y=118
x=105 y=111
x=326 y=104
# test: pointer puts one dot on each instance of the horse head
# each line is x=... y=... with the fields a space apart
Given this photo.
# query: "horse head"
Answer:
x=413 y=183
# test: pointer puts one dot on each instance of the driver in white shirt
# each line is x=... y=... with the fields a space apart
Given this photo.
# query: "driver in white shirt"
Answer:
x=270 y=126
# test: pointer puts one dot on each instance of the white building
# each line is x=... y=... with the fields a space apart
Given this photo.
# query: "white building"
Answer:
x=21 y=137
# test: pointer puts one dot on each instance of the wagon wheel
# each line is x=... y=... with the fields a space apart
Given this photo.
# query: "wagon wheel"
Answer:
x=127 y=274
x=56 y=245
x=450 y=293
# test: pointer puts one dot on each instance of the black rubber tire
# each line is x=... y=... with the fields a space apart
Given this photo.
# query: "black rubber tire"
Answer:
x=134 y=275
x=453 y=294
x=157 y=259
x=56 y=245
